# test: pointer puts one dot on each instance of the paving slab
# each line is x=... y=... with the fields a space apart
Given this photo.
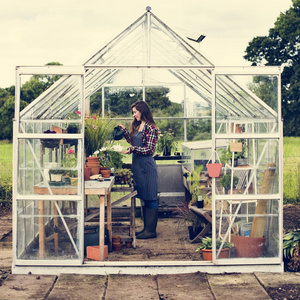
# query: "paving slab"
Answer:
x=131 y=287
x=280 y=285
x=26 y=286
x=75 y=286
x=184 y=286
x=5 y=258
x=236 y=286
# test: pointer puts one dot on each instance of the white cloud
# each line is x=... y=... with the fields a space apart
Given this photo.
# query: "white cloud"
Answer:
x=35 y=32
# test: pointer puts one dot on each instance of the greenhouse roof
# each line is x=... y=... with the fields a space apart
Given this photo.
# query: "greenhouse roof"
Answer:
x=147 y=44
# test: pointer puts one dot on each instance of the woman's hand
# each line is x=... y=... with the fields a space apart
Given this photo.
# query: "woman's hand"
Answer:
x=126 y=152
x=121 y=126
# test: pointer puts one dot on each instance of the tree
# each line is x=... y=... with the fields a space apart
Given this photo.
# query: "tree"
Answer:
x=30 y=90
x=281 y=47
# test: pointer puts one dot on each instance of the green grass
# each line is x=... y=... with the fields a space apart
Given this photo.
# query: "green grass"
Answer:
x=291 y=166
x=291 y=169
x=5 y=160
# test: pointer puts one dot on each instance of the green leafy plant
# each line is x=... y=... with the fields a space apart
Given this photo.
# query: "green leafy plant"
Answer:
x=225 y=181
x=69 y=161
x=109 y=158
x=291 y=251
x=207 y=244
x=194 y=183
x=167 y=142
x=123 y=176
x=73 y=127
x=97 y=132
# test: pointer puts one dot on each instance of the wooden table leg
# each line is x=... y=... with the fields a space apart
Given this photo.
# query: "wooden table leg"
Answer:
x=86 y=205
x=55 y=225
x=41 y=230
x=101 y=226
x=108 y=212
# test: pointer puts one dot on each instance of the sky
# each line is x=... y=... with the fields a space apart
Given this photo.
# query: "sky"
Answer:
x=35 y=32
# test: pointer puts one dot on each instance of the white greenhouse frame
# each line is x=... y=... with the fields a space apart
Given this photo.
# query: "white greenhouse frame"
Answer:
x=207 y=88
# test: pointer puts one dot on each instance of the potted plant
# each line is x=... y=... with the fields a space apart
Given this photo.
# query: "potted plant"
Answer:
x=239 y=156
x=123 y=176
x=72 y=127
x=206 y=248
x=194 y=223
x=166 y=142
x=193 y=182
x=70 y=161
x=226 y=157
x=291 y=250
x=50 y=143
x=96 y=132
x=109 y=158
x=225 y=181
x=55 y=175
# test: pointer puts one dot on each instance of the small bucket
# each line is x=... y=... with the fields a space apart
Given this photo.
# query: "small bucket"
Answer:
x=214 y=170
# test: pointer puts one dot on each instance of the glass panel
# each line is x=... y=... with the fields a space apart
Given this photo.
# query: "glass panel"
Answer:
x=252 y=226
x=48 y=230
x=196 y=154
x=199 y=129
x=246 y=104
x=254 y=168
x=55 y=102
x=51 y=167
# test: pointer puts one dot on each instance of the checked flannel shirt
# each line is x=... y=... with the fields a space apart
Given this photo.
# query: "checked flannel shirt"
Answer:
x=149 y=139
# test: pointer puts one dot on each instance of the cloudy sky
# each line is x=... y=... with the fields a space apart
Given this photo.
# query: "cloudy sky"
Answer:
x=35 y=32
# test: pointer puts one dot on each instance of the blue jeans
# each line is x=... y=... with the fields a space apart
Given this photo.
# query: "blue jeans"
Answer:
x=150 y=204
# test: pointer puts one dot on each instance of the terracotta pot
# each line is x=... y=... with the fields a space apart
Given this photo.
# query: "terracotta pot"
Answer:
x=128 y=244
x=246 y=246
x=92 y=159
x=105 y=173
x=207 y=253
x=92 y=252
x=93 y=163
x=87 y=173
x=117 y=246
x=116 y=239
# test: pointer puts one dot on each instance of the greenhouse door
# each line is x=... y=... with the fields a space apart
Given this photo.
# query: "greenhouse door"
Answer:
x=247 y=137
x=48 y=180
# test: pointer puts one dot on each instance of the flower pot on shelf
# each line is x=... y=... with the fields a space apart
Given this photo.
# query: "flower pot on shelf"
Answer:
x=74 y=181
x=50 y=143
x=167 y=151
x=214 y=170
x=93 y=163
x=105 y=173
x=87 y=173
x=56 y=177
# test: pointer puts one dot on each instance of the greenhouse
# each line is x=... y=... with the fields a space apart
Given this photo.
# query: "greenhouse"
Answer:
x=227 y=118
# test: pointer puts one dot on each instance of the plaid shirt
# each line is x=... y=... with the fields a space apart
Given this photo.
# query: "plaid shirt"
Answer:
x=149 y=139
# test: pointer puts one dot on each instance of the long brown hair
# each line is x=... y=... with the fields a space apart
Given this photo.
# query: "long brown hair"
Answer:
x=146 y=116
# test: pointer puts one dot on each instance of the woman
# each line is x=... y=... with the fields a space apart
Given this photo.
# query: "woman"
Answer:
x=143 y=136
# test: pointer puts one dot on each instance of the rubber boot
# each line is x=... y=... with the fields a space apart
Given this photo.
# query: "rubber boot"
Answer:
x=151 y=223
x=144 y=221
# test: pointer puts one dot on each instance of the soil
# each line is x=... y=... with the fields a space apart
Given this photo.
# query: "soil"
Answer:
x=291 y=217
